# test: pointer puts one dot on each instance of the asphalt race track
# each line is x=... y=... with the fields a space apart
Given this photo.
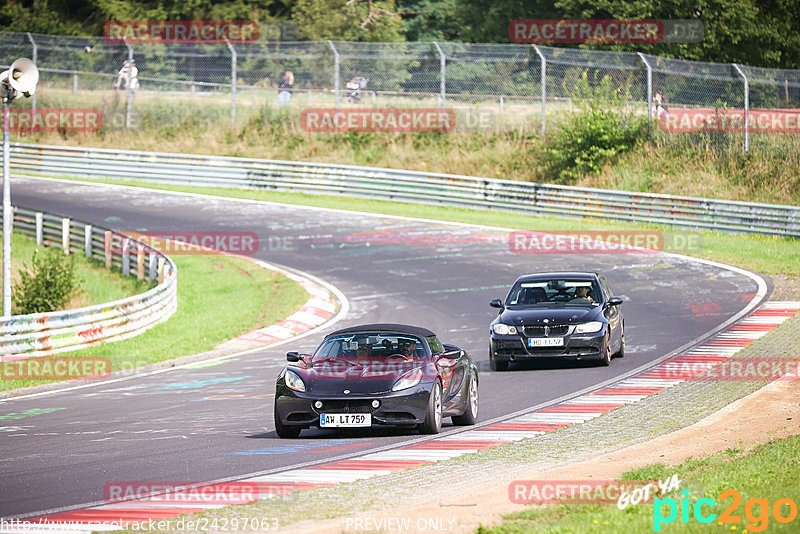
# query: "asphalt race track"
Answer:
x=68 y=445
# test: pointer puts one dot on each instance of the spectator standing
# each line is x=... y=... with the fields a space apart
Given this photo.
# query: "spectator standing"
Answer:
x=285 y=89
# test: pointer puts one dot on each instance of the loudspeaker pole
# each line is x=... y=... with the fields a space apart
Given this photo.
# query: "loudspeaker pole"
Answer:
x=7 y=215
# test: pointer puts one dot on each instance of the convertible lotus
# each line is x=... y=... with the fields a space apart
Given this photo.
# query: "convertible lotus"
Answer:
x=386 y=374
x=562 y=315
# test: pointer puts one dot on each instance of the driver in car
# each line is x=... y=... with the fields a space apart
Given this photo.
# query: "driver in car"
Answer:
x=582 y=295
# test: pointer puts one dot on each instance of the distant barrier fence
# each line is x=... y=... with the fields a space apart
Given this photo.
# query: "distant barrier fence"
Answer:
x=407 y=186
x=40 y=334
x=537 y=79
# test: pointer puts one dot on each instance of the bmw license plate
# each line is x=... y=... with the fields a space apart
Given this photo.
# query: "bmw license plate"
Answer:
x=336 y=420
x=546 y=342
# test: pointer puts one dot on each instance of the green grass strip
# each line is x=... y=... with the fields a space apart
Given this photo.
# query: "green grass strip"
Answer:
x=764 y=474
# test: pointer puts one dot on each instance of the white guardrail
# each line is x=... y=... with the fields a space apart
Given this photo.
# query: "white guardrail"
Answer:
x=407 y=186
x=40 y=334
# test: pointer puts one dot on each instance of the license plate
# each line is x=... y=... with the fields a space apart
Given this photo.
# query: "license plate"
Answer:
x=336 y=420
x=546 y=342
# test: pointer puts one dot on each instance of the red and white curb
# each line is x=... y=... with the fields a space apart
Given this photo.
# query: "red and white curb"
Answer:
x=318 y=310
x=565 y=414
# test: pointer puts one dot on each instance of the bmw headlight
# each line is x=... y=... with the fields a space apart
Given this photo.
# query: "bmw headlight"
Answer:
x=504 y=329
x=293 y=381
x=588 y=328
x=408 y=380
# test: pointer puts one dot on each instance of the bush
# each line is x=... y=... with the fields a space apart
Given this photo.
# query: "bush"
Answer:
x=589 y=139
x=47 y=284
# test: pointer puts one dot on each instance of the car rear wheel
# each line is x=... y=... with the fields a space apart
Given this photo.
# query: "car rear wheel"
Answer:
x=605 y=357
x=285 y=431
x=470 y=415
x=621 y=352
x=433 y=417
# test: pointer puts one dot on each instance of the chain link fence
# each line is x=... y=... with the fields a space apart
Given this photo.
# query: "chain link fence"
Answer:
x=521 y=86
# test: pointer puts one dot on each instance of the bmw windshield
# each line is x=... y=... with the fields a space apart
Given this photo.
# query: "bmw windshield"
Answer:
x=554 y=292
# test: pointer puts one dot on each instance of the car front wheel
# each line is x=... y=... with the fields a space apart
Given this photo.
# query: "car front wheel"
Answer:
x=433 y=417
x=285 y=431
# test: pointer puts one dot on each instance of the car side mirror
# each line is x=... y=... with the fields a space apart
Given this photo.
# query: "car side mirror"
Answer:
x=496 y=303
x=293 y=356
x=614 y=301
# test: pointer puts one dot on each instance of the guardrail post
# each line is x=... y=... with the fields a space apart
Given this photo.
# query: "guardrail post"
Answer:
x=649 y=95
x=65 y=235
x=153 y=265
x=140 y=263
x=233 y=81
x=543 y=81
x=34 y=55
x=442 y=79
x=39 y=238
x=128 y=91
x=335 y=72
x=161 y=264
x=126 y=257
x=87 y=240
x=746 y=108
x=107 y=248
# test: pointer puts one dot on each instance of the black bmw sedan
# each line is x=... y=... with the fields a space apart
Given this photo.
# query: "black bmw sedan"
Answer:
x=562 y=315
x=386 y=374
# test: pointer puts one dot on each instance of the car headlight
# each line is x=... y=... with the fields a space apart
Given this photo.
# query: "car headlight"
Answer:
x=588 y=328
x=293 y=381
x=408 y=380
x=504 y=329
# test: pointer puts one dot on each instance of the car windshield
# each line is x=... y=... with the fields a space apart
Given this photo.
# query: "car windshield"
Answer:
x=562 y=291
x=369 y=346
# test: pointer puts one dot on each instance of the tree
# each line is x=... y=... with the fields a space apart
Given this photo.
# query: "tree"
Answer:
x=348 y=20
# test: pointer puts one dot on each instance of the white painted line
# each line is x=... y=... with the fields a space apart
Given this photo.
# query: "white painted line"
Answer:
x=322 y=475
x=556 y=417
x=648 y=383
x=790 y=304
x=764 y=319
x=743 y=334
x=495 y=435
x=607 y=399
x=416 y=454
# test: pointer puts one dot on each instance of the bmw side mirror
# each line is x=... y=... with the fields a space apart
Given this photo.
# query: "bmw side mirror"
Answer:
x=293 y=356
x=496 y=303
x=614 y=301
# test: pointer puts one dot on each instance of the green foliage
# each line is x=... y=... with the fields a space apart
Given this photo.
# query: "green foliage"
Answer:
x=49 y=285
x=592 y=137
x=319 y=20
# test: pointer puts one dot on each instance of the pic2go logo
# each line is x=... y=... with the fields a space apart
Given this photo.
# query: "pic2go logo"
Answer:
x=783 y=511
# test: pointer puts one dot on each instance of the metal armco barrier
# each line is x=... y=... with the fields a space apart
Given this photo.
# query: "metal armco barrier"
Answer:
x=407 y=186
x=40 y=334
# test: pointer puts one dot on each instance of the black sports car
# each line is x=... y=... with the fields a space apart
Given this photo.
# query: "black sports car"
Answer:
x=564 y=315
x=387 y=374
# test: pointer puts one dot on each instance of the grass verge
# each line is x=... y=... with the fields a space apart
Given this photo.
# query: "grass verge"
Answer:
x=755 y=476
x=766 y=254
x=219 y=297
